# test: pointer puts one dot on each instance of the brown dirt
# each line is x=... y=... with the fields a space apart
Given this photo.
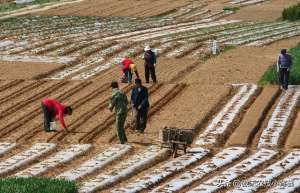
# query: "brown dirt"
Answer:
x=293 y=138
x=187 y=92
x=253 y=118
x=240 y=65
x=197 y=101
x=25 y=70
x=137 y=8
x=268 y=11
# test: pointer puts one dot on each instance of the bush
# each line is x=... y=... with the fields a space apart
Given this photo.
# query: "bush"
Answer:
x=233 y=9
x=36 y=185
x=270 y=76
x=291 y=13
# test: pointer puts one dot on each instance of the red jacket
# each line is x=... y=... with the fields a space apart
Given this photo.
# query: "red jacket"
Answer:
x=58 y=109
x=126 y=63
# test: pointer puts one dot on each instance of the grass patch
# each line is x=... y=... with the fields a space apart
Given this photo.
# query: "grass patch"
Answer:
x=36 y=185
x=270 y=76
x=233 y=9
x=4 y=7
x=228 y=47
x=10 y=6
x=43 y=1
x=291 y=13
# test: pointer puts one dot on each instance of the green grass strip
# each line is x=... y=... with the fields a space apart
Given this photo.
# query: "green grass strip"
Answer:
x=4 y=7
x=271 y=77
x=10 y=6
x=36 y=185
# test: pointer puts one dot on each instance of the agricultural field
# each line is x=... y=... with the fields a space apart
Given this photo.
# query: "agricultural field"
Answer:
x=245 y=133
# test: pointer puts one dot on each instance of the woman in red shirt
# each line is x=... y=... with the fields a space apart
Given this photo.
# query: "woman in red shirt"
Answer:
x=53 y=109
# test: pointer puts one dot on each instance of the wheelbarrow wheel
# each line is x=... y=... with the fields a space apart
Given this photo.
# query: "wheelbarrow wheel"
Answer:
x=175 y=147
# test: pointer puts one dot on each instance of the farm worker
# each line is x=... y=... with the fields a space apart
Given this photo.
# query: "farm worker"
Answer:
x=53 y=109
x=284 y=64
x=150 y=61
x=140 y=105
x=215 y=49
x=119 y=102
x=126 y=62
x=134 y=70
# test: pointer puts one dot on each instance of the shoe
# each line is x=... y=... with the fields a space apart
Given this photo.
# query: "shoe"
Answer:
x=140 y=131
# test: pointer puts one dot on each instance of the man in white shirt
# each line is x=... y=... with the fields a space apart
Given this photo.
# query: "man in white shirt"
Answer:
x=215 y=49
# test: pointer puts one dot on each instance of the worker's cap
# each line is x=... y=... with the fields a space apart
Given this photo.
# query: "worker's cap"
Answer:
x=147 y=48
x=283 y=51
x=114 y=84
x=138 y=81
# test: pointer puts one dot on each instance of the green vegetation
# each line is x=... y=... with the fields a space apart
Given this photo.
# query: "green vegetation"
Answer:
x=270 y=76
x=4 y=7
x=36 y=185
x=10 y=6
x=228 y=47
x=233 y=9
x=291 y=13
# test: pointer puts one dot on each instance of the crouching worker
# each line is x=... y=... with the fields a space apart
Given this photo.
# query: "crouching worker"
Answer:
x=127 y=74
x=119 y=102
x=140 y=105
x=53 y=109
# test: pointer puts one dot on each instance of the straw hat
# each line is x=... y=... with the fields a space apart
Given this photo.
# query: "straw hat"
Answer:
x=147 y=48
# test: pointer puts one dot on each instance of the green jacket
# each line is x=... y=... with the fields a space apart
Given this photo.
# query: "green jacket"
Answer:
x=118 y=102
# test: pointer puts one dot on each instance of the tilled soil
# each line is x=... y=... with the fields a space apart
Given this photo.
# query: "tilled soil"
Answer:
x=267 y=11
x=136 y=8
x=254 y=117
x=187 y=92
x=293 y=138
x=25 y=70
x=186 y=111
x=240 y=65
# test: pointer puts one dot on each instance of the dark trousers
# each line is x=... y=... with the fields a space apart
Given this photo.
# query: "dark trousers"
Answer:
x=284 y=77
x=48 y=117
x=128 y=75
x=141 y=119
x=150 y=70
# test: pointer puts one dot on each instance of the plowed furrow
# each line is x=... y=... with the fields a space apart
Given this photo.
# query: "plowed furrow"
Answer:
x=254 y=117
x=21 y=91
x=10 y=84
x=218 y=129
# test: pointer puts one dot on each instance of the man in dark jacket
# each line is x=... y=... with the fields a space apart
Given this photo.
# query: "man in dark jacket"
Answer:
x=284 y=65
x=140 y=105
x=150 y=61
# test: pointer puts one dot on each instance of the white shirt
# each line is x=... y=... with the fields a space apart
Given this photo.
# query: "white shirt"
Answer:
x=215 y=47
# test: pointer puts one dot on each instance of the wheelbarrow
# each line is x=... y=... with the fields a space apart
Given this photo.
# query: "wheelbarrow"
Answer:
x=176 y=139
